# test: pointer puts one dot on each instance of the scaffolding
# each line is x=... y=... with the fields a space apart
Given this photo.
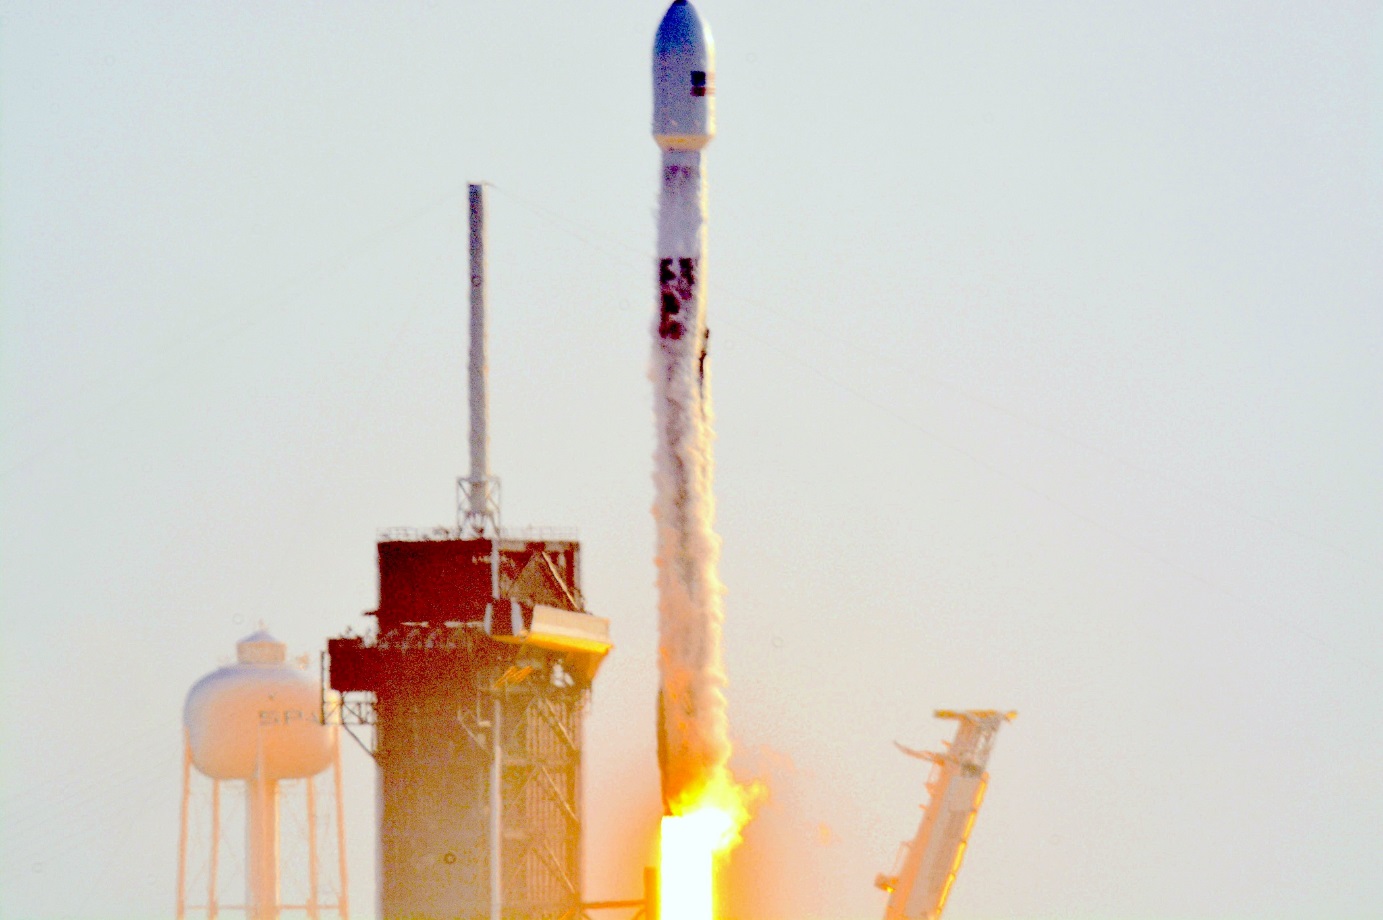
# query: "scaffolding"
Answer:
x=470 y=699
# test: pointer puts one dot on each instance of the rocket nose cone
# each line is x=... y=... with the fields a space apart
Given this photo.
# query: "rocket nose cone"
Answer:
x=683 y=80
x=681 y=30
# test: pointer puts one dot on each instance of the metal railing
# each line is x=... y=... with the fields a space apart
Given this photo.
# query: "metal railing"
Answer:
x=527 y=534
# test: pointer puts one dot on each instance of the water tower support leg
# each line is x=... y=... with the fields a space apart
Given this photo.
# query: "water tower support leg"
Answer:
x=262 y=847
x=311 y=849
x=211 y=905
x=182 y=833
x=342 y=899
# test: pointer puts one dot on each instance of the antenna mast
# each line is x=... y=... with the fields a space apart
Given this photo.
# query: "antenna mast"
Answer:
x=478 y=498
x=478 y=517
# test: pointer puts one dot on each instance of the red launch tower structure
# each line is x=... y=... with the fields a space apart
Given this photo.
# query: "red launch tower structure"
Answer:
x=451 y=702
x=474 y=680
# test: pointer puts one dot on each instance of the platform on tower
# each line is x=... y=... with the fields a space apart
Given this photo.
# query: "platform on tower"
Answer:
x=451 y=665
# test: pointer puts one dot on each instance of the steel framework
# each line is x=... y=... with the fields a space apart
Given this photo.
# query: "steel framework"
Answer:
x=927 y=866
x=460 y=715
x=210 y=906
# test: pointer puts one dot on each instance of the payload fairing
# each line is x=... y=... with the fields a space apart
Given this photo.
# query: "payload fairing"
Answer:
x=684 y=104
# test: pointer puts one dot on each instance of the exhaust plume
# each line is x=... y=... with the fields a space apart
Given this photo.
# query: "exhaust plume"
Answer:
x=694 y=744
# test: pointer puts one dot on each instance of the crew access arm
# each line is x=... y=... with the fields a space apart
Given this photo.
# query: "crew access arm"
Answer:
x=927 y=866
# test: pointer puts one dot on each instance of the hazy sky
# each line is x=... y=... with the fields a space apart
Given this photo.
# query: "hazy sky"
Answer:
x=1048 y=361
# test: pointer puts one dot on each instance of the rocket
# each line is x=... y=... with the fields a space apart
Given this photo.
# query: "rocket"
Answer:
x=693 y=729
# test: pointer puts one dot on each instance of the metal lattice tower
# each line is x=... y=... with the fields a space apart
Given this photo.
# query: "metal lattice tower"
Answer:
x=927 y=866
x=475 y=682
x=451 y=705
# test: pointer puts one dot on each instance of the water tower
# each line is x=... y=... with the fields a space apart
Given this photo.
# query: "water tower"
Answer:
x=258 y=723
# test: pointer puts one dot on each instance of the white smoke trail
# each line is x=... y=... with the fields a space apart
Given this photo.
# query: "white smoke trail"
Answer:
x=694 y=743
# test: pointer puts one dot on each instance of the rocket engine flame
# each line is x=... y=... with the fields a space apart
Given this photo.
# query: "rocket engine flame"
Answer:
x=686 y=855
x=689 y=844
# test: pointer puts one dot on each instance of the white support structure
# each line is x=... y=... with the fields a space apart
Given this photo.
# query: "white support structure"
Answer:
x=343 y=901
x=496 y=829
x=927 y=867
x=313 y=895
x=261 y=846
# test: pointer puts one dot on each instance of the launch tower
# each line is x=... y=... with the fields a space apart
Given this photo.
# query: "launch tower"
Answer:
x=475 y=681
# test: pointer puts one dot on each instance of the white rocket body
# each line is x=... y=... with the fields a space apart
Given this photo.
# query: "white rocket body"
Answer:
x=683 y=124
x=693 y=739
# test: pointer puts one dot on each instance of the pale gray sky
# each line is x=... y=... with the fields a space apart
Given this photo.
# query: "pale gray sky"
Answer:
x=1047 y=358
